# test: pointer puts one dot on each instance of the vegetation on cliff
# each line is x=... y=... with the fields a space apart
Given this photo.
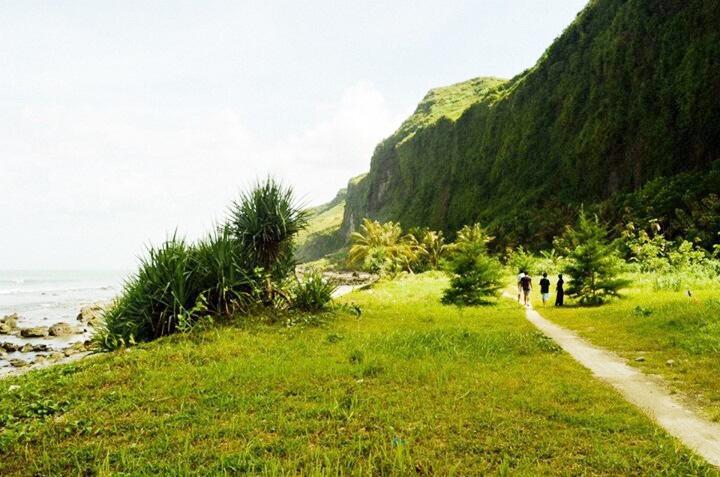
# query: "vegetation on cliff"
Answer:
x=626 y=96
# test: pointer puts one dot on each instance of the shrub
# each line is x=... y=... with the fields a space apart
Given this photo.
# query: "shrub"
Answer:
x=476 y=277
x=382 y=248
x=264 y=223
x=594 y=263
x=227 y=284
x=246 y=262
x=313 y=293
x=519 y=259
x=431 y=249
x=156 y=301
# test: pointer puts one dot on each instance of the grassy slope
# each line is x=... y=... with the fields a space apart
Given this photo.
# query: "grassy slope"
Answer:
x=681 y=329
x=447 y=102
x=322 y=235
x=323 y=222
x=410 y=387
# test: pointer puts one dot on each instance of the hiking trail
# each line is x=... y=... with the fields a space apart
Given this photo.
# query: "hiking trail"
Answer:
x=699 y=434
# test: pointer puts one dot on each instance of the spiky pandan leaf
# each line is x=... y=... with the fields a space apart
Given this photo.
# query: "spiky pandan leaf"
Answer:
x=265 y=220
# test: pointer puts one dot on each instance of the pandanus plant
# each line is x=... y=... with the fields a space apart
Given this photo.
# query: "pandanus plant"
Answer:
x=264 y=222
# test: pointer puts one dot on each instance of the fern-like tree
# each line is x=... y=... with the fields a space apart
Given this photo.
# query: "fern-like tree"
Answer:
x=594 y=264
x=431 y=248
x=265 y=222
x=476 y=277
x=382 y=248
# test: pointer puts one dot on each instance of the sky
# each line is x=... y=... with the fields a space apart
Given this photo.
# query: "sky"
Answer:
x=122 y=122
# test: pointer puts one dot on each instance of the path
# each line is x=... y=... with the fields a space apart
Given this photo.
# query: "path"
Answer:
x=697 y=433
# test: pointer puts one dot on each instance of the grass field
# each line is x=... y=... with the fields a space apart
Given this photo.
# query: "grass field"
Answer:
x=410 y=387
x=672 y=335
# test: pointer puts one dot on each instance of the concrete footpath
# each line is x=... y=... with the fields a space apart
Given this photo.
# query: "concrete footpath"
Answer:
x=697 y=433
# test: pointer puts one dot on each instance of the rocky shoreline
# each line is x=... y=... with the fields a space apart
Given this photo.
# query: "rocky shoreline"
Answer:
x=25 y=348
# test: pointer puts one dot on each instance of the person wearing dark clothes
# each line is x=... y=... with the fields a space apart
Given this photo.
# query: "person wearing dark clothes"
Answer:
x=545 y=288
x=526 y=284
x=560 y=291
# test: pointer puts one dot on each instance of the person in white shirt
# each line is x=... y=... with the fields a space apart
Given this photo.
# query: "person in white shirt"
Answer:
x=520 y=276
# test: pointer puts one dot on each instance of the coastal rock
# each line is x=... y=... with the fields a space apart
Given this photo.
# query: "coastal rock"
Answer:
x=8 y=324
x=27 y=348
x=41 y=347
x=56 y=355
x=10 y=319
x=10 y=347
x=35 y=332
x=61 y=329
x=91 y=315
x=18 y=363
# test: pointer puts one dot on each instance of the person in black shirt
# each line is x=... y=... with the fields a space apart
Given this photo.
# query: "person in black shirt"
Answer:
x=526 y=284
x=545 y=288
x=560 y=291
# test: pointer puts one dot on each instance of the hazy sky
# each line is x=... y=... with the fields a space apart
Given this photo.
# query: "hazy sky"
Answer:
x=122 y=121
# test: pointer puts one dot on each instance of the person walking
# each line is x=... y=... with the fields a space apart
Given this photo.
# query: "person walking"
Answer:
x=519 y=284
x=560 y=297
x=526 y=284
x=545 y=288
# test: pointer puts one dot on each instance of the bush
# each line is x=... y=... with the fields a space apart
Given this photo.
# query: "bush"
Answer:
x=244 y=263
x=264 y=222
x=313 y=293
x=519 y=259
x=594 y=264
x=158 y=300
x=476 y=277
x=382 y=248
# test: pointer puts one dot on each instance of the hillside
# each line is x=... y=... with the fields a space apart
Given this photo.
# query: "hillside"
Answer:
x=628 y=94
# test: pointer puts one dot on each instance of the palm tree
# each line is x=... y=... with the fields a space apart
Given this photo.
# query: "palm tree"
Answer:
x=383 y=244
x=433 y=247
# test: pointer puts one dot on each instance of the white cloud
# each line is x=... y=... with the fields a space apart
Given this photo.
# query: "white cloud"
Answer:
x=87 y=188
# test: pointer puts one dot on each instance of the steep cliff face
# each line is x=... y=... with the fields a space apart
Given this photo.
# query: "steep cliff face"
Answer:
x=630 y=92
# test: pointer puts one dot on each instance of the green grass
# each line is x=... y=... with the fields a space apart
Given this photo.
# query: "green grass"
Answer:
x=411 y=387
x=448 y=102
x=658 y=326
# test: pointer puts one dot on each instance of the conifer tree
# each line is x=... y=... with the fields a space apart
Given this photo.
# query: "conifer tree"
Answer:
x=476 y=276
x=594 y=264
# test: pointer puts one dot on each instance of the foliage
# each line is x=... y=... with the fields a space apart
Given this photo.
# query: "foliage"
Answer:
x=313 y=293
x=382 y=248
x=430 y=247
x=158 y=300
x=670 y=263
x=240 y=265
x=624 y=97
x=521 y=260
x=475 y=276
x=594 y=264
x=264 y=222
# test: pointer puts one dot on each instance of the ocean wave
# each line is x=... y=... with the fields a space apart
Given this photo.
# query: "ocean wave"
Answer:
x=25 y=291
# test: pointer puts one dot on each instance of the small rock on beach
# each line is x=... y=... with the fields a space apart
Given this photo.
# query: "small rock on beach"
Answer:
x=34 y=332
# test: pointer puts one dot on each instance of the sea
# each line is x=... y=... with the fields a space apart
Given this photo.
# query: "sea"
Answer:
x=43 y=298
